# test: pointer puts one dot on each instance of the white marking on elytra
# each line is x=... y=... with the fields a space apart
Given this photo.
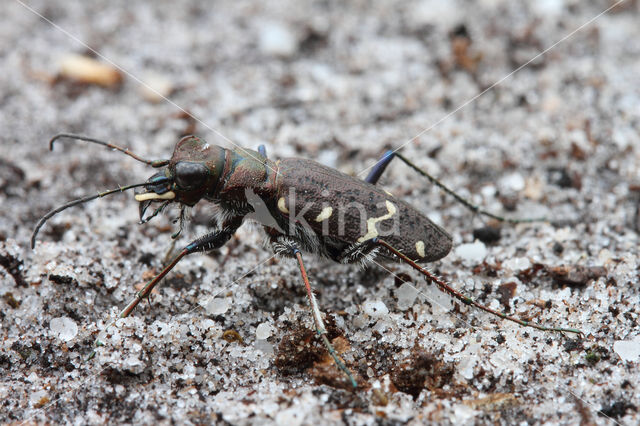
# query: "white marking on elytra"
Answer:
x=420 y=248
x=372 y=231
x=282 y=206
x=324 y=214
x=153 y=196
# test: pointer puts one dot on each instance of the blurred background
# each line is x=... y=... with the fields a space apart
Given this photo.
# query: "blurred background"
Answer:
x=340 y=83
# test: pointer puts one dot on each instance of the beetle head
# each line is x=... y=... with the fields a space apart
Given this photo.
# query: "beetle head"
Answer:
x=191 y=174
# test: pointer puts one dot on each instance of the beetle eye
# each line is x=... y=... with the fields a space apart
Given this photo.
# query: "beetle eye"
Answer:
x=190 y=175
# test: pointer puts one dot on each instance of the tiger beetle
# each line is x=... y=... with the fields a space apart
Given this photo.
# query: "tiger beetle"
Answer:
x=303 y=206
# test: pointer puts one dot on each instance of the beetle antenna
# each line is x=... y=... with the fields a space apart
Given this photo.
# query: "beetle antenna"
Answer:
x=474 y=208
x=152 y=163
x=381 y=165
x=75 y=203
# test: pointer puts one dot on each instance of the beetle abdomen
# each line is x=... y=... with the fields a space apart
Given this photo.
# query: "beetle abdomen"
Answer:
x=338 y=206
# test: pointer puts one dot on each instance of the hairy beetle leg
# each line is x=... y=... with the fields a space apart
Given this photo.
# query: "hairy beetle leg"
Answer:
x=317 y=319
x=286 y=247
x=445 y=288
x=205 y=243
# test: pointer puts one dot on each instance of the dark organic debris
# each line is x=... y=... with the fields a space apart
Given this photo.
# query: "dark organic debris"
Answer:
x=61 y=279
x=571 y=345
x=557 y=248
x=562 y=178
x=124 y=377
x=507 y=291
x=422 y=370
x=301 y=351
x=488 y=269
x=569 y=275
x=401 y=278
x=11 y=177
x=575 y=275
x=325 y=372
x=617 y=409
x=11 y=301
x=232 y=336
x=487 y=234
x=298 y=351
x=526 y=275
x=12 y=264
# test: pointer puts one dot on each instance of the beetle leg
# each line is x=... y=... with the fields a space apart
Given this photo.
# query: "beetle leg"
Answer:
x=181 y=219
x=317 y=318
x=213 y=240
x=362 y=253
x=445 y=288
x=155 y=212
x=382 y=164
x=287 y=247
x=379 y=168
x=207 y=242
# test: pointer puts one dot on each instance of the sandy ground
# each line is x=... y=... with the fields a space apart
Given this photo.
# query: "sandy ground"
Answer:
x=226 y=338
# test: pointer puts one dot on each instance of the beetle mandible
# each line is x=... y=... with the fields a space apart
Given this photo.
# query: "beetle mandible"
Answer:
x=303 y=206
